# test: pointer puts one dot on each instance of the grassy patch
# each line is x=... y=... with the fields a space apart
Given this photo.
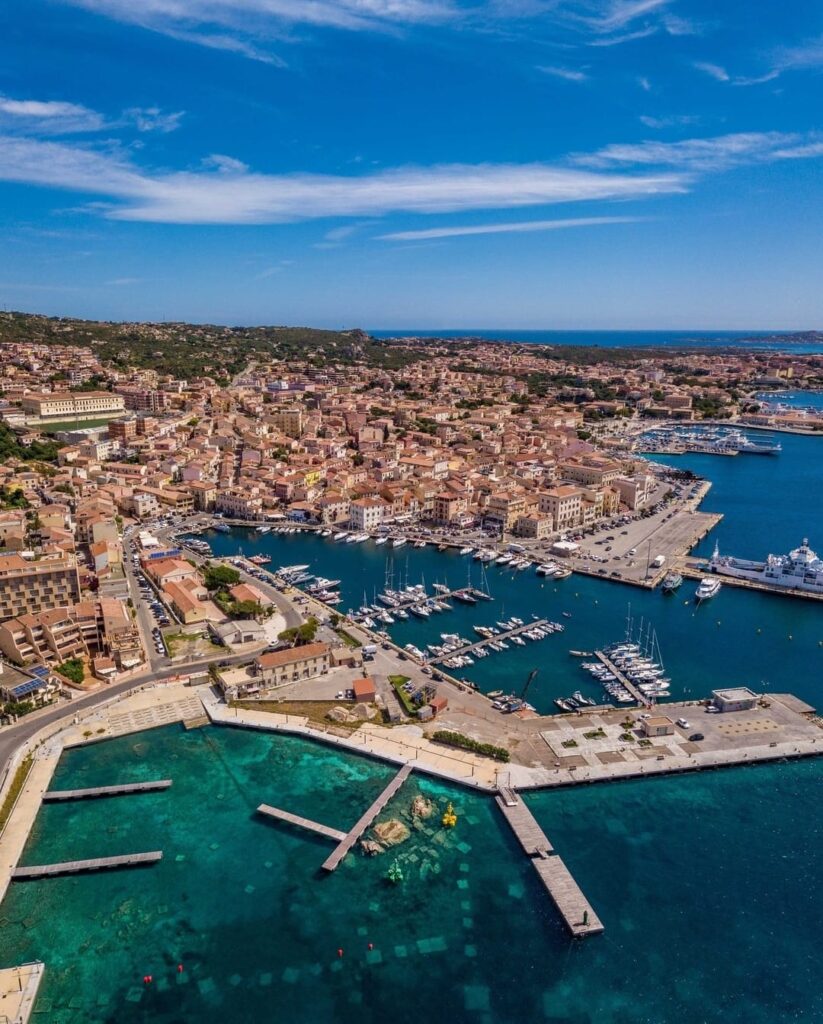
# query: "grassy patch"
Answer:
x=18 y=782
x=627 y=737
x=314 y=710
x=595 y=734
x=396 y=682
x=177 y=642
x=348 y=639
x=73 y=670
x=53 y=426
x=569 y=743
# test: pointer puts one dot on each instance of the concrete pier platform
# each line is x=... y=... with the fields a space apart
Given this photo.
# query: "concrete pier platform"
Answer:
x=60 y=795
x=351 y=837
x=300 y=822
x=77 y=867
x=18 y=991
x=468 y=648
x=639 y=696
x=576 y=911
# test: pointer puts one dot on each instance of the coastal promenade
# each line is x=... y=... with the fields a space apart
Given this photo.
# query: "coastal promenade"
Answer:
x=18 y=992
x=400 y=745
x=547 y=778
x=567 y=896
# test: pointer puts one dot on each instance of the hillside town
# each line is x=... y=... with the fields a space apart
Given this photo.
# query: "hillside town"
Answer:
x=464 y=437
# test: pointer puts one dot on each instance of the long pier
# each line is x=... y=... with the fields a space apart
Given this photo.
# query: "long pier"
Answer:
x=301 y=822
x=61 y=795
x=334 y=859
x=77 y=867
x=638 y=695
x=566 y=894
x=468 y=648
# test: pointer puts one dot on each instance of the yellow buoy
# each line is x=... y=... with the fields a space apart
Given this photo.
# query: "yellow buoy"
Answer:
x=449 y=819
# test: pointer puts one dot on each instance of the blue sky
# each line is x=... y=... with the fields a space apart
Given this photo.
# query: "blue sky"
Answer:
x=414 y=163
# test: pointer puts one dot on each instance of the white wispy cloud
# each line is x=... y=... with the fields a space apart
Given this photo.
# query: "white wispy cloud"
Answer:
x=626 y=37
x=251 y=28
x=669 y=120
x=153 y=119
x=617 y=14
x=711 y=154
x=119 y=189
x=569 y=74
x=516 y=227
x=52 y=117
x=58 y=117
x=715 y=71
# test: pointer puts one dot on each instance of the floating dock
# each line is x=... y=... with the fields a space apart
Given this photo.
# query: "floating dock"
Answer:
x=300 y=822
x=77 y=867
x=468 y=648
x=61 y=795
x=351 y=837
x=638 y=695
x=574 y=908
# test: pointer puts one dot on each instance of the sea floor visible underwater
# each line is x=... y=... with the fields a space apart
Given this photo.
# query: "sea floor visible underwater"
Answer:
x=707 y=886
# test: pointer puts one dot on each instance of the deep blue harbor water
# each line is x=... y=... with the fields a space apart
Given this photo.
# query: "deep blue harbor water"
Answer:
x=614 y=339
x=742 y=637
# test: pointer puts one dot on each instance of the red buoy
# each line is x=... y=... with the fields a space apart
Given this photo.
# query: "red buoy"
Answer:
x=339 y=952
x=371 y=945
x=179 y=968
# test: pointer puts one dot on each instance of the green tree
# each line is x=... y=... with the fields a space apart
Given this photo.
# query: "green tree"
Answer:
x=217 y=577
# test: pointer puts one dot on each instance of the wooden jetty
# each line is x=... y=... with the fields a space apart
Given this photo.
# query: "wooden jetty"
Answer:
x=345 y=840
x=468 y=648
x=60 y=795
x=566 y=894
x=638 y=695
x=76 y=867
x=300 y=822
x=351 y=837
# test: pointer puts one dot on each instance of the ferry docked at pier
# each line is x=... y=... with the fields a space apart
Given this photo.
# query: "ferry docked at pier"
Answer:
x=801 y=569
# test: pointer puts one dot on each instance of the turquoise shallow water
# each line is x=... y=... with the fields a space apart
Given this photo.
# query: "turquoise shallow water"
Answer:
x=706 y=886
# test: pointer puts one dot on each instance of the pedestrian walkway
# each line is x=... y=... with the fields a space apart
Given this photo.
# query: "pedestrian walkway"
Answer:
x=18 y=991
x=399 y=745
x=20 y=824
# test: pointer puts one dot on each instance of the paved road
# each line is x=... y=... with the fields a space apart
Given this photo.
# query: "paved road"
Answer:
x=11 y=736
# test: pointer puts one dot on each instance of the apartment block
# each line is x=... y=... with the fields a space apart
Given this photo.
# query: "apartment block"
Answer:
x=37 y=584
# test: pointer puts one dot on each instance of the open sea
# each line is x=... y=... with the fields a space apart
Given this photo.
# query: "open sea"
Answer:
x=766 y=340
x=708 y=885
